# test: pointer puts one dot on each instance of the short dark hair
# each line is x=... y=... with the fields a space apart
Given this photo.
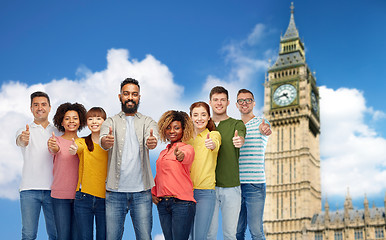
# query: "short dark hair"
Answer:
x=40 y=94
x=130 y=81
x=218 y=89
x=245 y=91
x=65 y=107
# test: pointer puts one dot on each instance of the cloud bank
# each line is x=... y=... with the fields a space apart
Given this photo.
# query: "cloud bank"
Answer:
x=158 y=93
x=352 y=153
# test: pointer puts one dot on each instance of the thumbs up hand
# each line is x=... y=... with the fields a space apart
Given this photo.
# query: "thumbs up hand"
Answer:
x=108 y=140
x=265 y=129
x=73 y=148
x=52 y=144
x=24 y=136
x=209 y=144
x=238 y=141
x=179 y=154
x=151 y=141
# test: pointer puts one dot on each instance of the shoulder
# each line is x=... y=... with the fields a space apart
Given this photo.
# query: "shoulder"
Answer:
x=215 y=134
x=185 y=146
x=143 y=118
x=80 y=140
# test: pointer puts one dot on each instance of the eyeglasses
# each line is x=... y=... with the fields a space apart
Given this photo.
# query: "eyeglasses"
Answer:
x=247 y=101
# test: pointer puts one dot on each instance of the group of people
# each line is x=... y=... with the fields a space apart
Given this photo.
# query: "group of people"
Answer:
x=210 y=163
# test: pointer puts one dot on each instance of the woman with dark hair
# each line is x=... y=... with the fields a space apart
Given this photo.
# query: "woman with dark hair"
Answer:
x=69 y=118
x=173 y=190
x=206 y=142
x=91 y=189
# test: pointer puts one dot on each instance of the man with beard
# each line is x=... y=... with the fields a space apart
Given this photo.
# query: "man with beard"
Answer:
x=128 y=136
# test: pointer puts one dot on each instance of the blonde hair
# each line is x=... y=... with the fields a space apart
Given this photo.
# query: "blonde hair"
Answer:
x=170 y=116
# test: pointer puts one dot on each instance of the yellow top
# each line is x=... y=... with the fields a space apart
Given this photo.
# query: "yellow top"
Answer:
x=203 y=168
x=92 y=169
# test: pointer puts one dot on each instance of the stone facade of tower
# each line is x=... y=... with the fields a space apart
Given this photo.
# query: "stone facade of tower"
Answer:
x=291 y=104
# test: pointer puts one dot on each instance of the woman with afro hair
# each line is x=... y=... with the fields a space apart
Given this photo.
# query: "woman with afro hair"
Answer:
x=69 y=119
x=173 y=190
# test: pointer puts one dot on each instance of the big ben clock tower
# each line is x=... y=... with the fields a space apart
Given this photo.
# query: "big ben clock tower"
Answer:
x=291 y=104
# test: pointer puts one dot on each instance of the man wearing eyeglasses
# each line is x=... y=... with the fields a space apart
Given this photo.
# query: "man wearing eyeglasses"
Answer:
x=251 y=167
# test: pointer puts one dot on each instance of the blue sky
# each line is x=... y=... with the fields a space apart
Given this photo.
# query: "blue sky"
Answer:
x=81 y=50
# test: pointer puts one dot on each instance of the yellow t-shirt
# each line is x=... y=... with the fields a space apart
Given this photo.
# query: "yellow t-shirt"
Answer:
x=92 y=169
x=203 y=168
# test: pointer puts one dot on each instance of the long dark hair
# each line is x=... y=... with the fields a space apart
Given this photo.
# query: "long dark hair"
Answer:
x=93 y=112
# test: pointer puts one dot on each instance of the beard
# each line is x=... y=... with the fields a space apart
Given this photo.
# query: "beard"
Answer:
x=129 y=110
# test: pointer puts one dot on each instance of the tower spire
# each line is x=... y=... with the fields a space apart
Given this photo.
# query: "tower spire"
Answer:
x=292 y=31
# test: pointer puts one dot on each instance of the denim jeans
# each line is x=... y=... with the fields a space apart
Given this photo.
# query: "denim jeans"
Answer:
x=118 y=204
x=206 y=200
x=176 y=218
x=65 y=219
x=229 y=200
x=31 y=201
x=87 y=207
x=252 y=209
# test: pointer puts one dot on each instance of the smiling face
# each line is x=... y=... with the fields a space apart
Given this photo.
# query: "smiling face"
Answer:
x=40 y=108
x=174 y=132
x=129 y=98
x=200 y=118
x=219 y=103
x=71 y=121
x=95 y=123
x=244 y=107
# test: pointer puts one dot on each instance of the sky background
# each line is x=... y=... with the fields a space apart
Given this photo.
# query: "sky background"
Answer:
x=82 y=50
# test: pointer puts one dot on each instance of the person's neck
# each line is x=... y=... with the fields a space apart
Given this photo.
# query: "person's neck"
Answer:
x=95 y=137
x=70 y=135
x=130 y=114
x=198 y=131
x=43 y=123
x=247 y=117
x=219 y=117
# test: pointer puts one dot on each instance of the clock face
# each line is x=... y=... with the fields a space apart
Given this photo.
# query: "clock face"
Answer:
x=314 y=102
x=284 y=95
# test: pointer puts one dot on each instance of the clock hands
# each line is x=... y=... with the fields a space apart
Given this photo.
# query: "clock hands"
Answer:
x=283 y=95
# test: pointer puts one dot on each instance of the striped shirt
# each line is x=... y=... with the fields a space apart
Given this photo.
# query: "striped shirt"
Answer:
x=251 y=160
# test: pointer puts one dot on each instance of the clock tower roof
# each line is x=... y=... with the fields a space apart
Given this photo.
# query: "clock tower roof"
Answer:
x=291 y=48
x=292 y=32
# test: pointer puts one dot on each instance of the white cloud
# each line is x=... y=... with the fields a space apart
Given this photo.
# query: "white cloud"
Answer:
x=159 y=237
x=353 y=154
x=256 y=35
x=158 y=94
x=247 y=66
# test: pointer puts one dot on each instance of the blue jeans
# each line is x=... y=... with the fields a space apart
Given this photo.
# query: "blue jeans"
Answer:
x=252 y=209
x=118 y=204
x=176 y=218
x=87 y=207
x=31 y=201
x=206 y=200
x=65 y=219
x=229 y=200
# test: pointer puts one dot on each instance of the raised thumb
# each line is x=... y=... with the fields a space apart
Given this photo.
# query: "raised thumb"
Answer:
x=236 y=133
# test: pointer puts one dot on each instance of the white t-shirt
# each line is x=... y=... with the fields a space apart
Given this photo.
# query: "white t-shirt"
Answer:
x=131 y=171
x=38 y=162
